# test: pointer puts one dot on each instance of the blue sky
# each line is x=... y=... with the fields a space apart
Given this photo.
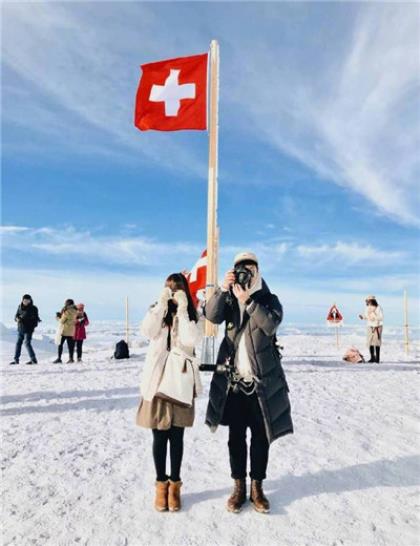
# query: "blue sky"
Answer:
x=318 y=162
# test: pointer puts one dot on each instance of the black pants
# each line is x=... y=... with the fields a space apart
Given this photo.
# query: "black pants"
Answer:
x=243 y=411
x=70 y=345
x=175 y=436
x=79 y=348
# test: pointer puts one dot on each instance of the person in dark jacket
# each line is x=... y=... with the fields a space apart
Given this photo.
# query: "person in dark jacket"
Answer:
x=27 y=319
x=254 y=392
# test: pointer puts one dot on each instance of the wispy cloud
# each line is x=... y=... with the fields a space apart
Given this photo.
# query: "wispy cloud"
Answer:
x=134 y=250
x=348 y=110
x=69 y=242
x=87 y=80
x=344 y=102
x=350 y=253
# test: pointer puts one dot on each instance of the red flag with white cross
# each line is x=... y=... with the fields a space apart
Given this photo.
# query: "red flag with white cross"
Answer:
x=198 y=276
x=172 y=95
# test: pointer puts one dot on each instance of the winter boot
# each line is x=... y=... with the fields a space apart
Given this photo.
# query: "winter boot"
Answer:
x=378 y=354
x=14 y=362
x=161 y=497
x=174 y=496
x=32 y=362
x=79 y=359
x=258 y=498
x=57 y=361
x=372 y=354
x=238 y=496
x=70 y=361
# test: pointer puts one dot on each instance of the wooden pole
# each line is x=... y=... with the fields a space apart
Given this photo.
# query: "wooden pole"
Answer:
x=212 y=228
x=406 y=340
x=126 y=319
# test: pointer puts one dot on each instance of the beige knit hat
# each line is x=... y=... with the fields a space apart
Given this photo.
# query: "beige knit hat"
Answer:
x=247 y=255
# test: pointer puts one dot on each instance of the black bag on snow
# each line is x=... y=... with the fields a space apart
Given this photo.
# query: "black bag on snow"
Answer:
x=121 y=350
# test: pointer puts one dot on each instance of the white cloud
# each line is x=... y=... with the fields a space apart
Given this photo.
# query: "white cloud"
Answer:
x=12 y=229
x=342 y=99
x=123 y=250
x=348 y=108
x=350 y=253
x=94 y=248
x=89 y=77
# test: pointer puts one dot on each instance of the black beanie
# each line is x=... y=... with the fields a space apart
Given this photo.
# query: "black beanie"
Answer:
x=27 y=297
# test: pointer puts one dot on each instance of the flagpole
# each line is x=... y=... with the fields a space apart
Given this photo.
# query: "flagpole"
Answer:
x=126 y=319
x=406 y=340
x=212 y=227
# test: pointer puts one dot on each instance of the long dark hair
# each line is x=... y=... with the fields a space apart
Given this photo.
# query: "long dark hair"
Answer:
x=372 y=302
x=181 y=284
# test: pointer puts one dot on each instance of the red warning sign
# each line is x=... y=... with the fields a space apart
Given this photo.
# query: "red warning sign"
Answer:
x=334 y=316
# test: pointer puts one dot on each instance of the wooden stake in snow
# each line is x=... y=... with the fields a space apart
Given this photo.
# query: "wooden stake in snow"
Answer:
x=126 y=319
x=406 y=340
x=212 y=227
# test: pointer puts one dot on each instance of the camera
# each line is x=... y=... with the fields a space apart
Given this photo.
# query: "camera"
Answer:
x=243 y=276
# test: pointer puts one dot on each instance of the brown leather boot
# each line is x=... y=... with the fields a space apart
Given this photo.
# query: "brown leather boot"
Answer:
x=258 y=498
x=238 y=496
x=174 y=496
x=161 y=497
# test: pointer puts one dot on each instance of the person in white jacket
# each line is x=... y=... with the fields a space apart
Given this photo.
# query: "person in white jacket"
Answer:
x=375 y=320
x=171 y=323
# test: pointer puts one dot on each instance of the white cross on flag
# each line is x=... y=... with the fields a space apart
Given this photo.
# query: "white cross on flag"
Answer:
x=172 y=95
x=197 y=278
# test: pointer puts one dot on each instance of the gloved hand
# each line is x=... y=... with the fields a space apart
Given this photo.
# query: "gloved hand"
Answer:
x=165 y=295
x=181 y=299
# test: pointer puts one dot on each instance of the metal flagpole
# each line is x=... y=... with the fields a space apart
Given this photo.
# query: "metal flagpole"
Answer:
x=208 y=352
x=406 y=340
x=126 y=319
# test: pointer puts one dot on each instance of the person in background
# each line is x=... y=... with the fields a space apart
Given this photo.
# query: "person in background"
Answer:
x=375 y=320
x=27 y=319
x=67 y=320
x=171 y=323
x=80 y=331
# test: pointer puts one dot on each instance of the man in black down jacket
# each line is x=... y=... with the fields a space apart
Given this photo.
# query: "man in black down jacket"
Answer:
x=256 y=394
x=27 y=319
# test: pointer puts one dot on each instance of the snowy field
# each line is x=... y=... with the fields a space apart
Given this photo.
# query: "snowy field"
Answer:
x=76 y=469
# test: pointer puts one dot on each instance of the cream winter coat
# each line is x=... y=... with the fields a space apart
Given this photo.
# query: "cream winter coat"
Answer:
x=185 y=335
x=374 y=316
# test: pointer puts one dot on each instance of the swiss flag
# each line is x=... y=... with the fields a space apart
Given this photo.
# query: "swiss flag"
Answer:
x=198 y=277
x=172 y=95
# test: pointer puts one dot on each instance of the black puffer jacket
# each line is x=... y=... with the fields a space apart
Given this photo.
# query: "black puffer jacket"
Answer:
x=27 y=318
x=259 y=327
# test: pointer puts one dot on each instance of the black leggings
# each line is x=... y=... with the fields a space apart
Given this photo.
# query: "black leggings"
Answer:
x=79 y=347
x=175 y=435
x=70 y=345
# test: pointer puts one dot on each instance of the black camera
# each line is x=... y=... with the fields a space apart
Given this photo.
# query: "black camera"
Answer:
x=243 y=276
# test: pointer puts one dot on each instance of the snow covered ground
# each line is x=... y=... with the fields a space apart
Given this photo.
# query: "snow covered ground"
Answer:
x=76 y=469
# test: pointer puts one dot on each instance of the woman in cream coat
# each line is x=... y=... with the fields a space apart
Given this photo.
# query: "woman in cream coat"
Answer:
x=375 y=320
x=170 y=323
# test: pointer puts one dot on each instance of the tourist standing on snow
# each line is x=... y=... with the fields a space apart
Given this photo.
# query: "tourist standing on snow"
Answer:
x=27 y=319
x=375 y=320
x=254 y=394
x=80 y=331
x=66 y=329
x=171 y=325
